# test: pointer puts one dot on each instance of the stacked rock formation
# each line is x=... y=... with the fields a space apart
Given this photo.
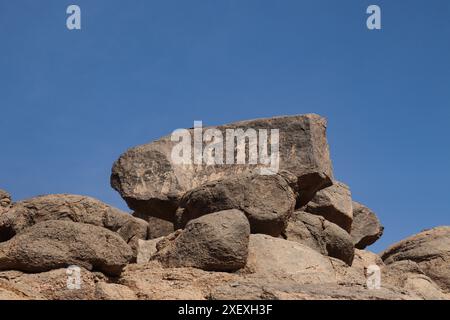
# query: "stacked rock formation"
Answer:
x=223 y=231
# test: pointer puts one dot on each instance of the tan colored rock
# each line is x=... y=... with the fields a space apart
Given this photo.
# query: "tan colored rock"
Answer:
x=334 y=204
x=214 y=242
x=153 y=282
x=5 y=201
x=57 y=244
x=274 y=258
x=50 y=285
x=113 y=291
x=146 y=249
x=151 y=183
x=365 y=258
x=75 y=208
x=321 y=235
x=267 y=201
x=409 y=276
x=366 y=228
x=430 y=249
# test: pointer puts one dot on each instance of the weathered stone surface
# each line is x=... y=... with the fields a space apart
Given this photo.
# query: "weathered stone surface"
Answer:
x=153 y=282
x=274 y=258
x=430 y=249
x=150 y=182
x=409 y=276
x=113 y=291
x=282 y=291
x=267 y=201
x=75 y=208
x=216 y=242
x=364 y=258
x=5 y=200
x=156 y=227
x=57 y=244
x=334 y=204
x=366 y=228
x=321 y=235
x=50 y=285
x=146 y=249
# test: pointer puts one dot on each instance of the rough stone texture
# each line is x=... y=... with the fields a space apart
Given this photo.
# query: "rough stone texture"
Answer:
x=364 y=258
x=216 y=242
x=366 y=228
x=113 y=291
x=430 y=249
x=146 y=249
x=408 y=275
x=153 y=282
x=288 y=291
x=51 y=285
x=156 y=227
x=5 y=201
x=334 y=204
x=321 y=235
x=75 y=208
x=267 y=201
x=57 y=244
x=151 y=183
x=274 y=258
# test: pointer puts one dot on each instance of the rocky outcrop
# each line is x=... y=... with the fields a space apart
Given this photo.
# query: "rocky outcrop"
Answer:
x=217 y=231
x=5 y=201
x=267 y=201
x=216 y=242
x=409 y=276
x=151 y=182
x=58 y=244
x=430 y=249
x=334 y=204
x=321 y=235
x=66 y=207
x=366 y=228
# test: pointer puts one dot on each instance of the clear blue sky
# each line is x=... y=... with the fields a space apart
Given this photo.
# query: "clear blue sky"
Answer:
x=72 y=101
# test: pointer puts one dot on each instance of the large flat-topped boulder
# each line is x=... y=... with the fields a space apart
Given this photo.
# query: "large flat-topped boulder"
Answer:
x=152 y=181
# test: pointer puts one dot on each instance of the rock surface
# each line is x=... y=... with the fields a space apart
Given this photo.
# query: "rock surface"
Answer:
x=57 y=244
x=156 y=227
x=274 y=258
x=66 y=207
x=321 y=235
x=334 y=204
x=216 y=242
x=150 y=182
x=146 y=250
x=50 y=285
x=409 y=276
x=430 y=249
x=5 y=200
x=366 y=228
x=267 y=201
x=240 y=236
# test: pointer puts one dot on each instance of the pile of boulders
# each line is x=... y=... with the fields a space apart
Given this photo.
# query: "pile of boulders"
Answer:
x=221 y=231
x=301 y=202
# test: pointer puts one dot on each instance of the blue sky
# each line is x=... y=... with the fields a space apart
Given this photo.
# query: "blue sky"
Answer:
x=72 y=101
